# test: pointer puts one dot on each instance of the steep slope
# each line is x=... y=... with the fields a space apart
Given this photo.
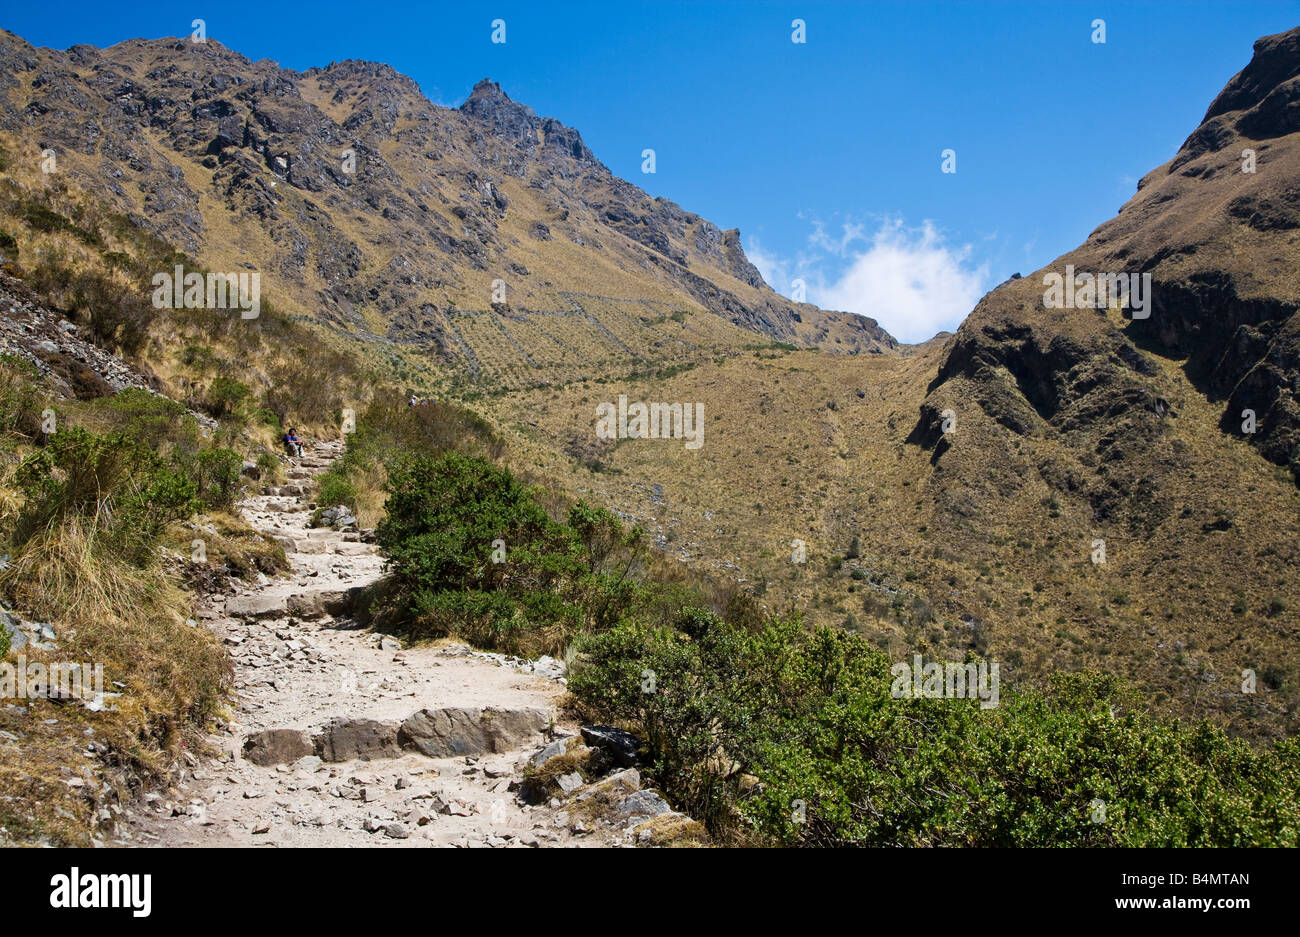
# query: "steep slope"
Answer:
x=485 y=237
x=1085 y=424
x=1069 y=426
x=1217 y=231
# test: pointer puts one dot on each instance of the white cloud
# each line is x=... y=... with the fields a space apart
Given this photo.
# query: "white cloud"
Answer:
x=908 y=279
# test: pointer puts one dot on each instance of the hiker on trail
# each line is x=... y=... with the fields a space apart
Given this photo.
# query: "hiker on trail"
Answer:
x=414 y=400
x=292 y=444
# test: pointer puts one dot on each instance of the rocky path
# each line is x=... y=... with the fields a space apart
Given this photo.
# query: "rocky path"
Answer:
x=341 y=737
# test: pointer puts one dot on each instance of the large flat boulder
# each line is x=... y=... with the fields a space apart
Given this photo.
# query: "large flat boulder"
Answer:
x=355 y=549
x=444 y=733
x=278 y=746
x=317 y=603
x=345 y=739
x=257 y=605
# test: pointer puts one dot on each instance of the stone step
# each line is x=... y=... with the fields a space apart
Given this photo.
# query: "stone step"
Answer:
x=436 y=733
x=356 y=549
x=257 y=605
x=317 y=603
x=308 y=604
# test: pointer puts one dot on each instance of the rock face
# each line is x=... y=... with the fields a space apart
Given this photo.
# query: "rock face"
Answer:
x=1204 y=226
x=487 y=190
x=441 y=733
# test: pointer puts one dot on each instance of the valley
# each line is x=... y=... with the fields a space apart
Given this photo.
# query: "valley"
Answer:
x=1092 y=485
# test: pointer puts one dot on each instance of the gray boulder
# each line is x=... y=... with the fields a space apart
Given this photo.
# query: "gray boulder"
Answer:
x=256 y=606
x=569 y=783
x=17 y=637
x=317 y=603
x=344 y=739
x=338 y=517
x=641 y=804
x=443 y=733
x=277 y=746
x=553 y=750
x=621 y=746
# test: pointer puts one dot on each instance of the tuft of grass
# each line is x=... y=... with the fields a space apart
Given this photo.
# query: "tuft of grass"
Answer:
x=171 y=675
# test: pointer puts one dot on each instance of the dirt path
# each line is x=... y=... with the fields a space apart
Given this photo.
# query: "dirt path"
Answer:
x=340 y=737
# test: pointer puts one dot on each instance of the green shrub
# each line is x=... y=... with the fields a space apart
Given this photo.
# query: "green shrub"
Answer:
x=335 y=489
x=473 y=552
x=840 y=761
x=443 y=516
x=217 y=473
x=269 y=466
x=224 y=397
x=129 y=491
x=19 y=402
x=269 y=418
x=151 y=418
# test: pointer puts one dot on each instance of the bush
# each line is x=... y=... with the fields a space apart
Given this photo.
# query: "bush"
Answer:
x=443 y=516
x=224 y=397
x=217 y=473
x=269 y=467
x=151 y=419
x=336 y=489
x=123 y=486
x=387 y=430
x=473 y=552
x=19 y=403
x=685 y=689
x=810 y=715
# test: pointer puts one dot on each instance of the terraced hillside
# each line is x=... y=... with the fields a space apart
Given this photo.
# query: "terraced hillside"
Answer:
x=425 y=237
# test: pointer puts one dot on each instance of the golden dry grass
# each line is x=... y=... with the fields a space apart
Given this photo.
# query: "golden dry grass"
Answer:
x=170 y=672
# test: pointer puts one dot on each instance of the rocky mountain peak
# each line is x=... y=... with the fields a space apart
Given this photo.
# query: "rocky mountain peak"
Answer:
x=238 y=150
x=1270 y=79
x=491 y=106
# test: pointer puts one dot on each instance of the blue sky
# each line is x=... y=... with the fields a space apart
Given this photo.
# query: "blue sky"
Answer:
x=825 y=154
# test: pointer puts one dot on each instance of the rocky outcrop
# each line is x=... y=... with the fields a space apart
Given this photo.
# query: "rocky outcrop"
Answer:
x=1200 y=226
x=299 y=155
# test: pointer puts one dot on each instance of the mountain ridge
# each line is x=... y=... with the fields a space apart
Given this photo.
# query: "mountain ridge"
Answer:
x=236 y=160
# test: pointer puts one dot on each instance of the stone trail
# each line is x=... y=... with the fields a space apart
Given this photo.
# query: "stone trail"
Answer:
x=342 y=737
